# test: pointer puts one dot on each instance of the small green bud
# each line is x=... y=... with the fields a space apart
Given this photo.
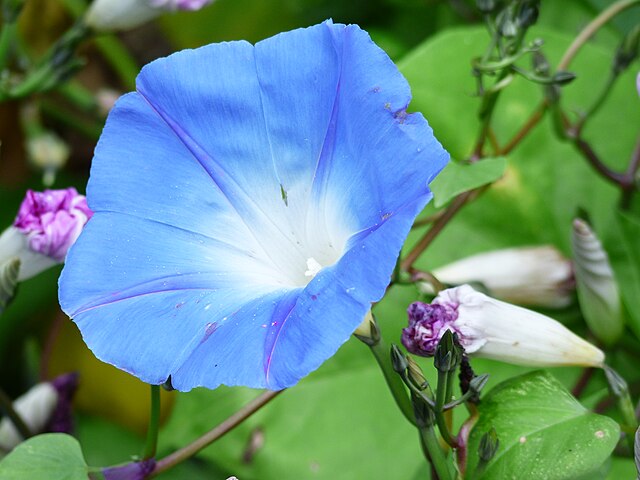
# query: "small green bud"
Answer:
x=563 y=78
x=528 y=13
x=489 y=445
x=422 y=411
x=617 y=384
x=415 y=373
x=477 y=383
x=507 y=27
x=398 y=360
x=448 y=352
x=486 y=6
x=627 y=51
x=368 y=331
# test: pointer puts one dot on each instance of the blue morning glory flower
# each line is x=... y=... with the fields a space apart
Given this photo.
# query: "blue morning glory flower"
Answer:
x=250 y=204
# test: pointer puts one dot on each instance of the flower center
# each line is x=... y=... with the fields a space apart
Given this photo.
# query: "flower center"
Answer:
x=313 y=267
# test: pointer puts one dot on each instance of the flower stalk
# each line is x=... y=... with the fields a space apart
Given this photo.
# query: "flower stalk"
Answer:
x=154 y=424
x=396 y=386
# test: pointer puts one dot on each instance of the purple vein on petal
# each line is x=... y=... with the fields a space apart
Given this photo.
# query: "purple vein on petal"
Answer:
x=277 y=328
x=166 y=284
x=208 y=238
x=225 y=183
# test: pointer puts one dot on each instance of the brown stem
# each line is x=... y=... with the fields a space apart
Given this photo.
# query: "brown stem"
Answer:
x=582 y=382
x=588 y=31
x=212 y=435
x=593 y=159
x=437 y=227
x=533 y=120
x=428 y=220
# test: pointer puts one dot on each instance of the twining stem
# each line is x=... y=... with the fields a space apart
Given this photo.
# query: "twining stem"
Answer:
x=438 y=225
x=566 y=60
x=211 y=436
x=381 y=352
x=583 y=381
x=436 y=456
x=154 y=424
x=7 y=406
x=588 y=31
x=528 y=126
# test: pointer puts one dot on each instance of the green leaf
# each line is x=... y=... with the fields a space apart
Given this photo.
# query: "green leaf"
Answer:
x=544 y=431
x=623 y=246
x=54 y=456
x=457 y=178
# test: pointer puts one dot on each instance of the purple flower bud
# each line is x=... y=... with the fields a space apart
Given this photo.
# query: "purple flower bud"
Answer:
x=489 y=328
x=427 y=324
x=46 y=407
x=180 y=4
x=130 y=471
x=61 y=420
x=47 y=224
x=52 y=220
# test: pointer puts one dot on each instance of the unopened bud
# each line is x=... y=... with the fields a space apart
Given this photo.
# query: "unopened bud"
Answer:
x=540 y=64
x=105 y=15
x=486 y=6
x=448 y=352
x=41 y=409
x=597 y=289
x=368 y=331
x=489 y=445
x=478 y=383
x=46 y=226
x=398 y=360
x=493 y=329
x=415 y=373
x=9 y=272
x=422 y=412
x=528 y=13
x=531 y=276
x=562 y=78
x=627 y=51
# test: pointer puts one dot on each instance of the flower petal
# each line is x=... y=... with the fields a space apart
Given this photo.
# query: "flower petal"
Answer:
x=230 y=174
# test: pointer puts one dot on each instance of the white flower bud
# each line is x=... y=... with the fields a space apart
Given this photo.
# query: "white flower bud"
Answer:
x=531 y=276
x=35 y=408
x=107 y=15
x=494 y=329
x=597 y=288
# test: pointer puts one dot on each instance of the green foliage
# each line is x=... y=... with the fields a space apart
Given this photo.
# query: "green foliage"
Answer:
x=624 y=254
x=457 y=178
x=52 y=456
x=543 y=431
x=546 y=181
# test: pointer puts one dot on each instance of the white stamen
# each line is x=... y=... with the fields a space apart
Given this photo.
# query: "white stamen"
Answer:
x=313 y=267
